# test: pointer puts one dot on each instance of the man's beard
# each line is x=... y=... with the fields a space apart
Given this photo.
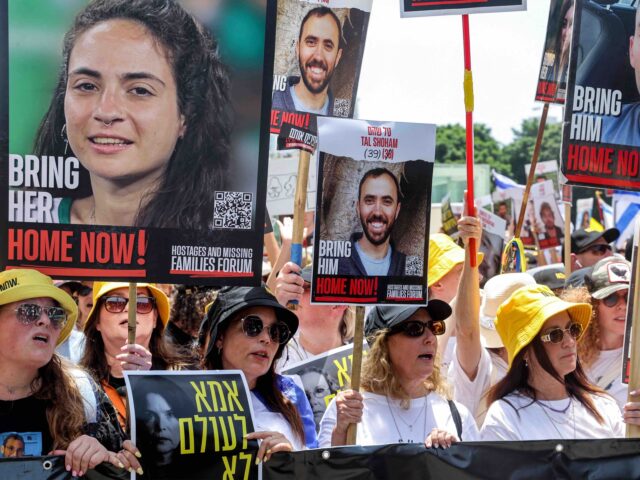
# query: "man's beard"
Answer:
x=315 y=88
x=379 y=240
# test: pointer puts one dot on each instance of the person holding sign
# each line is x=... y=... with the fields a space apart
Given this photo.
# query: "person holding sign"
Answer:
x=142 y=102
x=404 y=398
x=600 y=351
x=319 y=49
x=545 y=393
x=246 y=329
x=63 y=410
x=107 y=352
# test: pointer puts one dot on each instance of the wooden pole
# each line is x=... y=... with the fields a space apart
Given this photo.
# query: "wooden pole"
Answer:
x=532 y=171
x=567 y=239
x=469 y=104
x=133 y=304
x=633 y=431
x=356 y=367
x=299 y=207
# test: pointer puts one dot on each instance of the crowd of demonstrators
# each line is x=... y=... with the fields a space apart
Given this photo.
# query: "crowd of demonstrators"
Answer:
x=405 y=397
x=40 y=392
x=107 y=352
x=322 y=327
x=247 y=329
x=600 y=351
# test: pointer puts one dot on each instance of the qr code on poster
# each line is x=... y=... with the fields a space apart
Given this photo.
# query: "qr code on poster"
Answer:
x=413 y=266
x=233 y=210
x=341 y=107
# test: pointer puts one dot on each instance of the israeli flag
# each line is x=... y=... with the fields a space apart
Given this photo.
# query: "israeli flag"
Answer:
x=503 y=182
x=627 y=207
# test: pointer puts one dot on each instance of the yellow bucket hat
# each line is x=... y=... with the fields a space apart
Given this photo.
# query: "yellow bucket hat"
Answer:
x=444 y=254
x=23 y=284
x=521 y=317
x=100 y=289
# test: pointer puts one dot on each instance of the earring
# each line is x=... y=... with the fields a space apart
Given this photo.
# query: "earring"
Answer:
x=63 y=134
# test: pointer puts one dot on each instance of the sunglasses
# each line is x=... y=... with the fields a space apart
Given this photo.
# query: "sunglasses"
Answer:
x=29 y=314
x=416 y=328
x=116 y=304
x=252 y=326
x=598 y=250
x=556 y=335
x=613 y=299
x=84 y=290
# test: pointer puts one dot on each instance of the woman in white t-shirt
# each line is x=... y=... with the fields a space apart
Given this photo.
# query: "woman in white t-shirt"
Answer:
x=404 y=397
x=600 y=350
x=545 y=393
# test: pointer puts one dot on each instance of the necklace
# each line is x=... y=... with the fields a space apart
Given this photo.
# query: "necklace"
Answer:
x=565 y=410
x=15 y=389
x=423 y=411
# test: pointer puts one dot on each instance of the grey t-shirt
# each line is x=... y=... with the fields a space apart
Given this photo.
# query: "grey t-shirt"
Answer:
x=373 y=266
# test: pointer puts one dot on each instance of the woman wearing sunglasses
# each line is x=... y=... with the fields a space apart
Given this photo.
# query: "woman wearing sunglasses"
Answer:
x=600 y=351
x=107 y=352
x=545 y=393
x=405 y=397
x=246 y=329
x=40 y=393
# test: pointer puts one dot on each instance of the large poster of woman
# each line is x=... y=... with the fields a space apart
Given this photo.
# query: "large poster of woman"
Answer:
x=135 y=140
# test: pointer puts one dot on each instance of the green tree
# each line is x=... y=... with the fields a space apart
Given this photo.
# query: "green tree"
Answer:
x=451 y=146
x=520 y=150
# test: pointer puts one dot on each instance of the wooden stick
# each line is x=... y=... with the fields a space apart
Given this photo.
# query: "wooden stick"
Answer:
x=133 y=304
x=532 y=171
x=356 y=367
x=633 y=431
x=567 y=239
x=299 y=207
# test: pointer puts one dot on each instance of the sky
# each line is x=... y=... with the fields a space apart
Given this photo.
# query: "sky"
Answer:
x=413 y=67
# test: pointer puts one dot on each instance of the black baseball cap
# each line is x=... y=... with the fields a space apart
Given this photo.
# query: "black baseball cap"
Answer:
x=581 y=239
x=231 y=300
x=577 y=277
x=550 y=275
x=389 y=316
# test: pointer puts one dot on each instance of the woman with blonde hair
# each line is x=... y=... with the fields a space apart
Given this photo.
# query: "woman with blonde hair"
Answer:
x=405 y=398
x=59 y=405
x=600 y=350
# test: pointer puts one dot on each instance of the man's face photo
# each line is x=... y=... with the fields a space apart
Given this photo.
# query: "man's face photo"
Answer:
x=634 y=50
x=502 y=210
x=378 y=208
x=318 y=51
x=13 y=448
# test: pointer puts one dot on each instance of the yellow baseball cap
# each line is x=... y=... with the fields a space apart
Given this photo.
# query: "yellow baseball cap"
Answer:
x=444 y=254
x=102 y=288
x=23 y=284
x=521 y=317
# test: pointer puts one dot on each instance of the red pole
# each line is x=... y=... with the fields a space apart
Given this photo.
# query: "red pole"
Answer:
x=468 y=103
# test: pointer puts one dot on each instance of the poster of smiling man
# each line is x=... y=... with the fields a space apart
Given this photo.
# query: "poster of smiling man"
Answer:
x=135 y=140
x=319 y=50
x=372 y=212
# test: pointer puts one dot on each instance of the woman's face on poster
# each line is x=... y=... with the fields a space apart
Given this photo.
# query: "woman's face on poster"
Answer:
x=121 y=103
x=567 y=25
x=161 y=423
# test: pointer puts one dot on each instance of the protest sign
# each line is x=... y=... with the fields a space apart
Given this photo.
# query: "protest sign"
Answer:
x=552 y=80
x=282 y=179
x=318 y=56
x=420 y=8
x=192 y=422
x=372 y=212
x=449 y=220
x=549 y=225
x=491 y=243
x=584 y=208
x=323 y=376
x=545 y=171
x=78 y=201
x=600 y=140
